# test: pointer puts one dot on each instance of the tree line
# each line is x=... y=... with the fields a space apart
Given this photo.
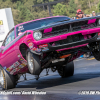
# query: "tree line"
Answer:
x=23 y=11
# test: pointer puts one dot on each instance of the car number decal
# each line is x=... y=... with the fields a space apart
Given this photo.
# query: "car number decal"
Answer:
x=20 y=28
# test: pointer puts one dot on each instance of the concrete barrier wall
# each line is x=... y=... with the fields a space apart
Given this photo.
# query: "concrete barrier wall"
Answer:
x=6 y=22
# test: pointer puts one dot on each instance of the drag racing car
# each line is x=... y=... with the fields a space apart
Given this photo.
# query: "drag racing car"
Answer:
x=47 y=43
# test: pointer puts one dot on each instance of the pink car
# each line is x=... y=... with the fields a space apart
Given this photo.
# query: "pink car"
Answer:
x=52 y=42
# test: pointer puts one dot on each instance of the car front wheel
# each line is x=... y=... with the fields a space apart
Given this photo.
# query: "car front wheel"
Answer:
x=33 y=63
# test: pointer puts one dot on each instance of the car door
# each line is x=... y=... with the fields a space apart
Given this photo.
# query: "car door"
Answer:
x=8 y=55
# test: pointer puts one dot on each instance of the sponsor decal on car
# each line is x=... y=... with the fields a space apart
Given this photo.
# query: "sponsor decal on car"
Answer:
x=19 y=33
x=15 y=64
x=43 y=46
x=6 y=69
x=20 y=28
x=21 y=66
x=9 y=69
x=23 y=62
x=38 y=50
x=45 y=49
x=34 y=49
x=30 y=45
x=19 y=55
x=17 y=69
x=21 y=59
x=98 y=36
x=13 y=71
x=28 y=40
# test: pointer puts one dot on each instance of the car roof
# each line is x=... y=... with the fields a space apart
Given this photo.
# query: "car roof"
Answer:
x=38 y=19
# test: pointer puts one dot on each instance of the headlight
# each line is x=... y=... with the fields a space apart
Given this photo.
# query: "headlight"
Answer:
x=37 y=35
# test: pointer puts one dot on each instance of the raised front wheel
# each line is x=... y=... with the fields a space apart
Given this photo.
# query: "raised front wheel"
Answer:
x=33 y=61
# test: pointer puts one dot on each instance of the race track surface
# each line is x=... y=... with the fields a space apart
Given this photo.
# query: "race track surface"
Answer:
x=86 y=78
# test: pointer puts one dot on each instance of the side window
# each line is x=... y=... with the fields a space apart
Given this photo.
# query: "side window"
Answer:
x=9 y=38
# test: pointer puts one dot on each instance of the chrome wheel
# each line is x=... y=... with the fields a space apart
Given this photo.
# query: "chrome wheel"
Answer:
x=1 y=78
x=30 y=61
x=33 y=62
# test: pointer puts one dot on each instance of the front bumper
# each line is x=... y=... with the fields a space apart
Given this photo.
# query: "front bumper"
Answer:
x=67 y=45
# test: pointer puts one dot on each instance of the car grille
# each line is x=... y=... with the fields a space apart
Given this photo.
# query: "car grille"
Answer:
x=69 y=39
x=57 y=31
x=78 y=27
x=63 y=29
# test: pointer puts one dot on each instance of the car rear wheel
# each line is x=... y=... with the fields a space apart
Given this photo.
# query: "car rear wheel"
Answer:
x=33 y=61
x=66 y=71
x=7 y=81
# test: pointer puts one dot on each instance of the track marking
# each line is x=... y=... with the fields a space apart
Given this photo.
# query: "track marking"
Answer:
x=91 y=58
x=79 y=59
x=85 y=59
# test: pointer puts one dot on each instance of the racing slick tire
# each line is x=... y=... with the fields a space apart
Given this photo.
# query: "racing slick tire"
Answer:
x=96 y=53
x=67 y=71
x=7 y=81
x=33 y=62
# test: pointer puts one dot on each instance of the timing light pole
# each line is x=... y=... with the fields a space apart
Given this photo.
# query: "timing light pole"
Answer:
x=49 y=5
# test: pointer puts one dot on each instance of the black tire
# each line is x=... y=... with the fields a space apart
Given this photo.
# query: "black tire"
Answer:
x=96 y=53
x=34 y=66
x=9 y=81
x=66 y=71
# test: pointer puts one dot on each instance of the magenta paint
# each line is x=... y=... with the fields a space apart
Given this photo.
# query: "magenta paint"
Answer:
x=12 y=52
x=47 y=30
x=91 y=21
x=64 y=36
x=85 y=37
x=72 y=47
x=89 y=36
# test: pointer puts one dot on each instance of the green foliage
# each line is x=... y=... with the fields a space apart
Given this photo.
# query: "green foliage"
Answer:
x=72 y=8
x=83 y=4
x=23 y=10
x=98 y=10
x=24 y=14
x=59 y=9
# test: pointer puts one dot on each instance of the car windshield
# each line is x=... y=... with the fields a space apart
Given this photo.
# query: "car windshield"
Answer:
x=40 y=23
